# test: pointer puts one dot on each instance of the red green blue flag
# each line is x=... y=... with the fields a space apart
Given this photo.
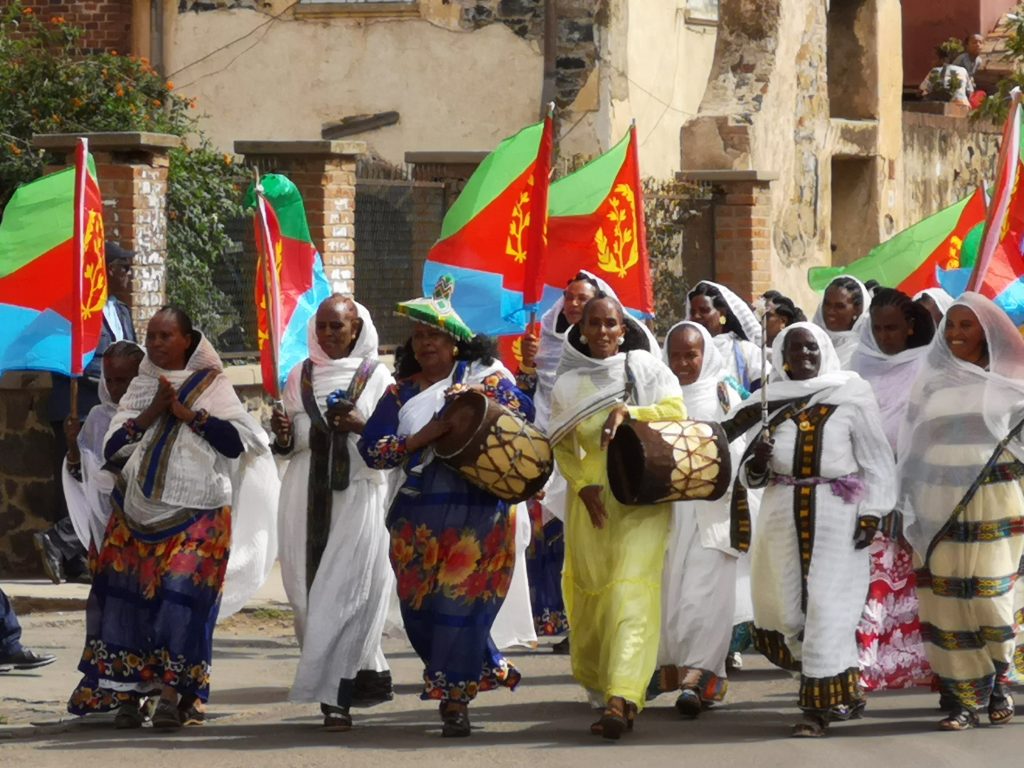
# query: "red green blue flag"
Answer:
x=492 y=238
x=53 y=275
x=596 y=223
x=289 y=292
x=998 y=270
x=909 y=261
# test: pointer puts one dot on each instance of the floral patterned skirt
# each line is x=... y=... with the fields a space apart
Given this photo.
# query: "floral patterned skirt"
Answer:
x=453 y=551
x=544 y=561
x=151 y=610
x=890 y=647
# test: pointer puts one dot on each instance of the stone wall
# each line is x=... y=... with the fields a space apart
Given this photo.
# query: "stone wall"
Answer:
x=944 y=160
x=26 y=473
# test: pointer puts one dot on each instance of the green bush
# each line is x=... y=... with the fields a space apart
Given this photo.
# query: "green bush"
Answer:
x=50 y=84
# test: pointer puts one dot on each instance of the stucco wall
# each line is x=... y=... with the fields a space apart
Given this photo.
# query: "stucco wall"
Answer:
x=463 y=75
x=454 y=88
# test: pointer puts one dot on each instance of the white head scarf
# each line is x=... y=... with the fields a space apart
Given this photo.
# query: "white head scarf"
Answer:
x=330 y=374
x=845 y=342
x=889 y=376
x=832 y=385
x=739 y=309
x=957 y=415
x=550 y=351
x=942 y=299
x=701 y=397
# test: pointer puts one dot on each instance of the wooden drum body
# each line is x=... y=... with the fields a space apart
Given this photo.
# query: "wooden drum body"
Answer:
x=659 y=461
x=493 y=448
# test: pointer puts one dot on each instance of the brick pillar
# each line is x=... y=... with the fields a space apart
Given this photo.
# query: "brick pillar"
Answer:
x=132 y=170
x=742 y=234
x=325 y=173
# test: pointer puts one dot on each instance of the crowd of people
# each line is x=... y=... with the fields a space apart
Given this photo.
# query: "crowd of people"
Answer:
x=871 y=534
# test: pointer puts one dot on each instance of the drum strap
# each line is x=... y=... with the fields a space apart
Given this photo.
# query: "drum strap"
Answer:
x=329 y=464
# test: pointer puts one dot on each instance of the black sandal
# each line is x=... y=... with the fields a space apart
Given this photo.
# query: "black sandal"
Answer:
x=166 y=715
x=959 y=719
x=812 y=727
x=336 y=719
x=689 y=704
x=1000 y=706
x=455 y=719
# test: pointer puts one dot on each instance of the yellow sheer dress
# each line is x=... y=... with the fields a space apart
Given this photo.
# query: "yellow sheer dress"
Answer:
x=611 y=580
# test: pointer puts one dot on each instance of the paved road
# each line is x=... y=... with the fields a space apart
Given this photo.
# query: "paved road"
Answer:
x=543 y=723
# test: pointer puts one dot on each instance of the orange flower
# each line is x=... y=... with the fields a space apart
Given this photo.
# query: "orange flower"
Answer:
x=113 y=52
x=430 y=554
x=401 y=551
x=14 y=149
x=28 y=11
x=56 y=19
x=119 y=91
x=170 y=85
x=157 y=103
x=461 y=561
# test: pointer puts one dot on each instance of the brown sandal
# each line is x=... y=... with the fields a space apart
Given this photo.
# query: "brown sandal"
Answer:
x=1001 y=708
x=617 y=718
x=812 y=727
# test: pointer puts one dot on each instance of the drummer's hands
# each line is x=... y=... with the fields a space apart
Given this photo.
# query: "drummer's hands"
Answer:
x=431 y=431
x=591 y=497
x=619 y=414
x=867 y=527
x=763 y=448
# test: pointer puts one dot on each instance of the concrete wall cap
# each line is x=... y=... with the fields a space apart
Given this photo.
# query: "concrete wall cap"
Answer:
x=123 y=141
x=452 y=157
x=314 y=148
x=726 y=174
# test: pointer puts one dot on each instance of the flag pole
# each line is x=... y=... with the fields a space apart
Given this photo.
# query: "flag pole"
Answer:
x=1000 y=199
x=271 y=293
x=75 y=369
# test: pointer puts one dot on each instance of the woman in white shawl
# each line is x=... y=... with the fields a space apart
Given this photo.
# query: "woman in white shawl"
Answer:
x=191 y=454
x=87 y=480
x=841 y=314
x=734 y=329
x=936 y=301
x=334 y=546
x=614 y=553
x=962 y=497
x=829 y=476
x=891 y=350
x=452 y=543
x=699 y=583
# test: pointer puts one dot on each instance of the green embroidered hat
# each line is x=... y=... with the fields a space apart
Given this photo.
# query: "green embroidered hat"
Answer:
x=437 y=310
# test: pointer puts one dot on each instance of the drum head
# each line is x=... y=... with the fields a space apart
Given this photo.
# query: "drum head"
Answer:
x=465 y=414
x=626 y=462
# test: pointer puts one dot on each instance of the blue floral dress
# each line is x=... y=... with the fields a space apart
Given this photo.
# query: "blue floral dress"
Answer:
x=452 y=550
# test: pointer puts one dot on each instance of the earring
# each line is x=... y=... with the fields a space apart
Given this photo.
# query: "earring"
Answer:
x=785 y=367
x=619 y=340
x=455 y=351
x=722 y=320
x=583 y=339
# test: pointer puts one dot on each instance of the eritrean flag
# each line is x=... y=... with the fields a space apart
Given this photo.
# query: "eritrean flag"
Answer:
x=596 y=223
x=492 y=238
x=287 y=294
x=53 y=275
x=910 y=261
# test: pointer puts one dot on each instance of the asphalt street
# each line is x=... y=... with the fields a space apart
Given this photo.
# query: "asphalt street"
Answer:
x=544 y=722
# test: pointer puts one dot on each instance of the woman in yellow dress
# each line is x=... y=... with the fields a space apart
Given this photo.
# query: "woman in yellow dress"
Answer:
x=614 y=553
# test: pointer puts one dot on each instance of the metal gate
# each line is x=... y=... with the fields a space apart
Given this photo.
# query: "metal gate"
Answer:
x=397 y=221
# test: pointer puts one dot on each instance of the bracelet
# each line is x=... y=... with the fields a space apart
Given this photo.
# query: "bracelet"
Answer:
x=527 y=369
x=198 y=423
x=868 y=523
x=134 y=431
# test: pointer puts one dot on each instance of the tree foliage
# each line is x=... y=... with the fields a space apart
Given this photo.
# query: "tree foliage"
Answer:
x=996 y=105
x=49 y=83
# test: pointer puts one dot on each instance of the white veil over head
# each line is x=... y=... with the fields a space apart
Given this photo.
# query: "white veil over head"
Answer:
x=957 y=414
x=942 y=299
x=738 y=307
x=701 y=397
x=845 y=342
